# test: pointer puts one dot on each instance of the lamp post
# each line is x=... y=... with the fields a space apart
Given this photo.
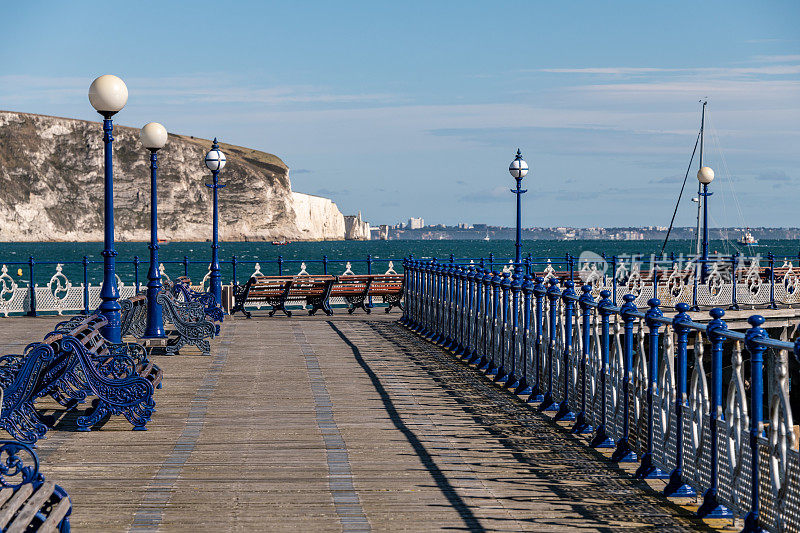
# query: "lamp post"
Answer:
x=518 y=169
x=153 y=137
x=215 y=161
x=705 y=176
x=108 y=95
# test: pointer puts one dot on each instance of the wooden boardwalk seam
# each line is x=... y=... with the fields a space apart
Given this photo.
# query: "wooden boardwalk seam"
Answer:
x=148 y=516
x=340 y=476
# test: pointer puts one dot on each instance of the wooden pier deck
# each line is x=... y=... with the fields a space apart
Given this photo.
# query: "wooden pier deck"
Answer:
x=343 y=423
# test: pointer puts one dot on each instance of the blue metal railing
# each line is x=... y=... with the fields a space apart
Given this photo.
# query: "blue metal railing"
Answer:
x=631 y=379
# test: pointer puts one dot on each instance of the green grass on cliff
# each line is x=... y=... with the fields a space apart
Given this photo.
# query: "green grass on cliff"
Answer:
x=254 y=157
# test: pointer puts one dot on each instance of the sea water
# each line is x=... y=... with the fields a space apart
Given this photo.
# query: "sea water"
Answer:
x=362 y=256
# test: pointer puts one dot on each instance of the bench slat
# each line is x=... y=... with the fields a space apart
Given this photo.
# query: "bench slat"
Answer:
x=56 y=516
x=32 y=506
x=10 y=508
x=5 y=494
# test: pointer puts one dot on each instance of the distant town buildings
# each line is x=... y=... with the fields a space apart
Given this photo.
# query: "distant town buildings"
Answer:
x=416 y=230
x=415 y=223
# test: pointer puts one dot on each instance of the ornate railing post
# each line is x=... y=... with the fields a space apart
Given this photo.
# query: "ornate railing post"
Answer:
x=711 y=507
x=624 y=453
x=647 y=469
x=236 y=282
x=32 y=288
x=756 y=350
x=505 y=288
x=695 y=276
x=85 y=285
x=496 y=282
x=772 y=304
x=524 y=387
x=280 y=265
x=449 y=296
x=469 y=314
x=185 y=266
x=433 y=277
x=613 y=278
x=458 y=340
x=473 y=355
x=446 y=295
x=447 y=299
x=418 y=297
x=553 y=297
x=539 y=291
x=491 y=261
x=676 y=485
x=734 y=261
x=604 y=307
x=422 y=298
x=427 y=295
x=484 y=362
x=568 y=301
x=136 y=273
x=460 y=307
x=513 y=381
x=582 y=425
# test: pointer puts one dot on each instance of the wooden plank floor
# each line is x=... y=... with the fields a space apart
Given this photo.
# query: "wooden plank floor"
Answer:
x=334 y=424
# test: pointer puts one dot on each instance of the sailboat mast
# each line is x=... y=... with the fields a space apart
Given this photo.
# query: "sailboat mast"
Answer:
x=700 y=198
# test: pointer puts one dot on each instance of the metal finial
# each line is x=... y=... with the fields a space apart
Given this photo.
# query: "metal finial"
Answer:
x=519 y=154
x=215 y=146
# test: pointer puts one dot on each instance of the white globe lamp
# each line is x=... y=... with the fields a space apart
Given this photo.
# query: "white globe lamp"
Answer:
x=215 y=159
x=153 y=136
x=518 y=167
x=108 y=94
x=705 y=175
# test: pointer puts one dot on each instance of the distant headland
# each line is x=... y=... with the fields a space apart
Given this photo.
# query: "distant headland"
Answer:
x=52 y=179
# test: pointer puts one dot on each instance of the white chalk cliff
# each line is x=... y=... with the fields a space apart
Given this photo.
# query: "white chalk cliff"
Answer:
x=51 y=188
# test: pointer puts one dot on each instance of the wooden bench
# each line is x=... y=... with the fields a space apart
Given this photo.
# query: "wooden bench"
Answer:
x=40 y=370
x=27 y=501
x=190 y=323
x=276 y=291
x=356 y=289
x=133 y=316
x=390 y=288
x=182 y=290
x=120 y=376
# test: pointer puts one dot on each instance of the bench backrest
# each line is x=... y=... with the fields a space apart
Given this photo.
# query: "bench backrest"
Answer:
x=308 y=286
x=386 y=284
x=351 y=285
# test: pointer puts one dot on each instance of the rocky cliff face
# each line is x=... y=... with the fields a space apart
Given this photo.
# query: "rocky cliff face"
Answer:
x=51 y=188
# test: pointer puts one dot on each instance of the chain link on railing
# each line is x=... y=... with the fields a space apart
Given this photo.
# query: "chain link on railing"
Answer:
x=647 y=385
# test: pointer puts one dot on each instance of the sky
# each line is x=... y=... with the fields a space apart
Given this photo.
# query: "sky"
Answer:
x=416 y=108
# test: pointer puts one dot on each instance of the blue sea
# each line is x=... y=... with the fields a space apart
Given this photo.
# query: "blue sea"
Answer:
x=362 y=255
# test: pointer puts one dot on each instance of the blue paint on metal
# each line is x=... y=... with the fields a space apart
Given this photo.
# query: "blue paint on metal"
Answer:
x=582 y=424
x=756 y=350
x=553 y=297
x=601 y=438
x=677 y=486
x=110 y=307
x=711 y=508
x=647 y=469
x=155 y=317
x=215 y=280
x=624 y=453
x=568 y=301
